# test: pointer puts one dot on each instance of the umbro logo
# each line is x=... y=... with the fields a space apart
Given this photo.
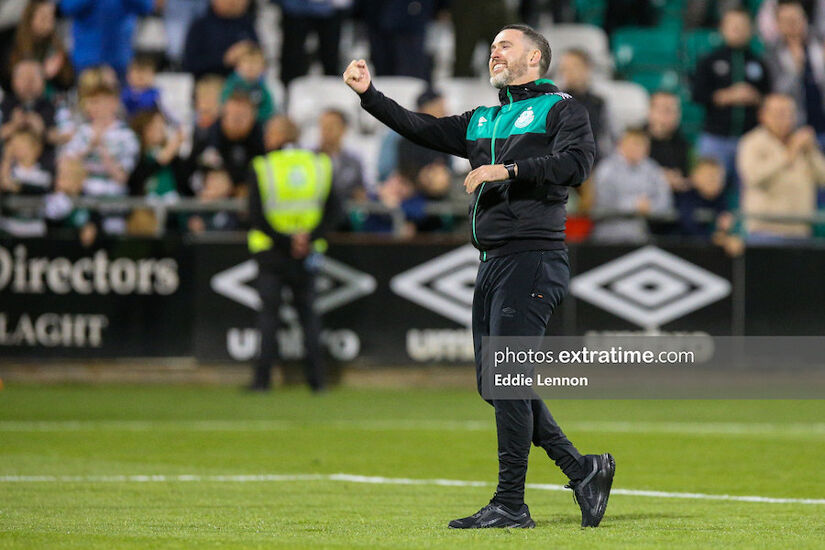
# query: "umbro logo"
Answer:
x=337 y=284
x=481 y=122
x=444 y=284
x=650 y=287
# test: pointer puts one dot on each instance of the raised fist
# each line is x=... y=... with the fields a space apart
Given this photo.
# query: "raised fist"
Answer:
x=357 y=76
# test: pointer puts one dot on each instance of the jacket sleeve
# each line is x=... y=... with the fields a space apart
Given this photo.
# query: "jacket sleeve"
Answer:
x=446 y=134
x=257 y=218
x=572 y=149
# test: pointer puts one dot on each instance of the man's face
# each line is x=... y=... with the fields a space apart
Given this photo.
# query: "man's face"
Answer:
x=230 y=8
x=736 y=29
x=665 y=112
x=238 y=119
x=332 y=130
x=574 y=72
x=778 y=115
x=634 y=148
x=27 y=81
x=509 y=57
x=791 y=21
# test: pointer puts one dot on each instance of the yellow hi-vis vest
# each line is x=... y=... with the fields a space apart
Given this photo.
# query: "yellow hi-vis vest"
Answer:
x=294 y=186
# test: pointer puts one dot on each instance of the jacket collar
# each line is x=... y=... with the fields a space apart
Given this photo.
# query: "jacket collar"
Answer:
x=510 y=94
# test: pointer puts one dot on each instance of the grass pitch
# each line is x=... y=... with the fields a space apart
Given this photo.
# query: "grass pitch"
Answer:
x=72 y=461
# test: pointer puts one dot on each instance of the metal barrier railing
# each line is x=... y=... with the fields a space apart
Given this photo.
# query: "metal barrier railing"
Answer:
x=454 y=208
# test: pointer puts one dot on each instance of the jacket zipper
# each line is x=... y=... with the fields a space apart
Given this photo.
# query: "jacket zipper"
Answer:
x=492 y=161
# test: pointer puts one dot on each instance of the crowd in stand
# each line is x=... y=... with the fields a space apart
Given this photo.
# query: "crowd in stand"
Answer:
x=89 y=120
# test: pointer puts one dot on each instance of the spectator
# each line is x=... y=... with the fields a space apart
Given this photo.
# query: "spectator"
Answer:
x=217 y=186
x=629 y=185
x=27 y=107
x=300 y=18
x=396 y=30
x=730 y=83
x=60 y=213
x=178 y=16
x=346 y=166
x=279 y=132
x=575 y=76
x=248 y=77
x=234 y=140
x=207 y=106
x=780 y=169
x=23 y=169
x=476 y=21
x=102 y=31
x=702 y=206
x=396 y=194
x=797 y=62
x=37 y=38
x=140 y=92
x=108 y=148
x=667 y=145
x=160 y=168
x=217 y=39
x=769 y=29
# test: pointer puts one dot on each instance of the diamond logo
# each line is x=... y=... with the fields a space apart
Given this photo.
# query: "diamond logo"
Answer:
x=649 y=287
x=337 y=284
x=444 y=284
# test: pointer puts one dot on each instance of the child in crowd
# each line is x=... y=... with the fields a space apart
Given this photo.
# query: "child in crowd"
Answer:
x=249 y=77
x=61 y=215
x=22 y=170
x=207 y=105
x=217 y=185
x=107 y=147
x=702 y=206
x=159 y=170
x=140 y=93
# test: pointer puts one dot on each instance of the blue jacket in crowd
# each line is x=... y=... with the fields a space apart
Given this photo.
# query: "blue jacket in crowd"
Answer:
x=102 y=31
x=209 y=37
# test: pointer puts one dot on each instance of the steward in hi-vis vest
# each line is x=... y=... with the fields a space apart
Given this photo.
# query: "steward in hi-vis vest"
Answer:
x=291 y=207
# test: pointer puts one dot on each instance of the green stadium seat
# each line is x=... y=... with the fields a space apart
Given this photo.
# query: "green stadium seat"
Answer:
x=693 y=117
x=591 y=11
x=653 y=81
x=647 y=49
x=697 y=44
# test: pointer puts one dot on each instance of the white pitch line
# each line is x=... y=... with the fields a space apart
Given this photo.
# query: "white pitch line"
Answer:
x=379 y=480
x=772 y=430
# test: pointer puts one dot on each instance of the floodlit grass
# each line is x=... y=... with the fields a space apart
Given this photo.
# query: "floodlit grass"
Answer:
x=763 y=448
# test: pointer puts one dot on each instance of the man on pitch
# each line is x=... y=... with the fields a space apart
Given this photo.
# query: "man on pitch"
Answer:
x=525 y=153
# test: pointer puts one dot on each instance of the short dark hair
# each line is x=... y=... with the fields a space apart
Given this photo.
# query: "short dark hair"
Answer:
x=144 y=61
x=339 y=113
x=581 y=54
x=538 y=40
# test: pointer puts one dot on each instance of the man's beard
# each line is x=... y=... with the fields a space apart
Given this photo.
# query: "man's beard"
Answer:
x=510 y=73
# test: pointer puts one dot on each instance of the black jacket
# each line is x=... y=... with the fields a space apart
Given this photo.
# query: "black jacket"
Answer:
x=720 y=69
x=208 y=39
x=545 y=132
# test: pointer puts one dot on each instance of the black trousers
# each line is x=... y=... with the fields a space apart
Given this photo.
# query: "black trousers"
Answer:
x=273 y=274
x=294 y=57
x=515 y=296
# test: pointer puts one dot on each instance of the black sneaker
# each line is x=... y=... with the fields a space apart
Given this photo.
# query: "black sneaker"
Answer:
x=496 y=515
x=591 y=493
